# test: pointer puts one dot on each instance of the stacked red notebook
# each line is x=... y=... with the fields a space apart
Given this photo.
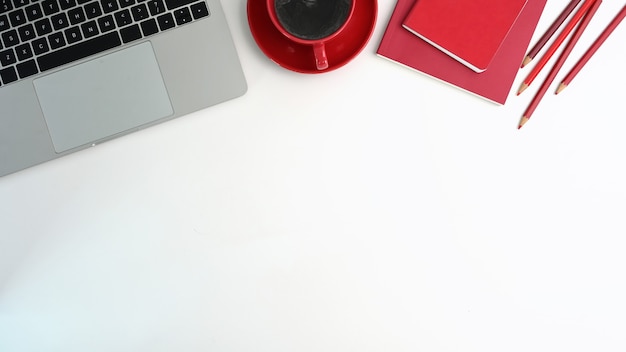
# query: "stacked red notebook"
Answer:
x=494 y=83
x=470 y=31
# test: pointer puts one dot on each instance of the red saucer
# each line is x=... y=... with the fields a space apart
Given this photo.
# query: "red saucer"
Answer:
x=297 y=57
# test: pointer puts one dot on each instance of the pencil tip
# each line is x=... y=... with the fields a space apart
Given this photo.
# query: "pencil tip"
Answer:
x=526 y=61
x=522 y=122
x=522 y=88
x=561 y=87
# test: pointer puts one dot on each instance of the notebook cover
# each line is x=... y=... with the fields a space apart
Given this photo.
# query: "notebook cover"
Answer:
x=471 y=31
x=402 y=47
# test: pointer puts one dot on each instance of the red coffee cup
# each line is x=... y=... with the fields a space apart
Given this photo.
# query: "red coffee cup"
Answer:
x=311 y=22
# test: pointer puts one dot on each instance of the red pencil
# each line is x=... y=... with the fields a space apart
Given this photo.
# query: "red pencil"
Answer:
x=559 y=62
x=550 y=32
x=592 y=50
x=553 y=48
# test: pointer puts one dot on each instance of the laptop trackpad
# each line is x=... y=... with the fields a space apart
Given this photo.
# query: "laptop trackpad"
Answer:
x=103 y=97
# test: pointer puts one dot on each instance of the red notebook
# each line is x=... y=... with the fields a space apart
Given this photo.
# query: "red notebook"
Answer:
x=471 y=31
x=402 y=47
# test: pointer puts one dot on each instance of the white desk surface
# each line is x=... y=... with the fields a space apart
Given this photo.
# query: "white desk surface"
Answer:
x=367 y=209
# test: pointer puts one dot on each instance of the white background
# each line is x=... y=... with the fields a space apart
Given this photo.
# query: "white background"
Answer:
x=367 y=209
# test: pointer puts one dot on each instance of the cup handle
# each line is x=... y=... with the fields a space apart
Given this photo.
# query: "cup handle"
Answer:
x=321 y=60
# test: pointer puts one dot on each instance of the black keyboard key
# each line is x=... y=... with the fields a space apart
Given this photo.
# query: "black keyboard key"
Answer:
x=73 y=35
x=43 y=27
x=56 y=40
x=7 y=58
x=166 y=21
x=67 y=4
x=40 y=46
x=126 y=3
x=182 y=16
x=27 y=32
x=199 y=10
x=26 y=69
x=8 y=75
x=109 y=6
x=50 y=7
x=130 y=33
x=76 y=15
x=174 y=4
x=149 y=27
x=79 y=51
x=23 y=52
x=123 y=18
x=5 y=6
x=20 y=3
x=106 y=23
x=156 y=7
x=140 y=12
x=59 y=21
x=90 y=29
x=93 y=10
x=10 y=38
x=4 y=23
x=81 y=2
x=17 y=17
x=34 y=12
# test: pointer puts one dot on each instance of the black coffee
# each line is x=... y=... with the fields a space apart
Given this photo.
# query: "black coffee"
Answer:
x=312 y=19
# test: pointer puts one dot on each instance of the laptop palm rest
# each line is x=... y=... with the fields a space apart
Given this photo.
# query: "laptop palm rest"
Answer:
x=103 y=97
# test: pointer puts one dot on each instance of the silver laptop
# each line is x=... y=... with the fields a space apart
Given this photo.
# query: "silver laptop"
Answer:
x=76 y=73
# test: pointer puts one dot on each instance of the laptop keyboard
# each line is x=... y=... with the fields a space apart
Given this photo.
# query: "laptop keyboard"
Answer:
x=40 y=35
